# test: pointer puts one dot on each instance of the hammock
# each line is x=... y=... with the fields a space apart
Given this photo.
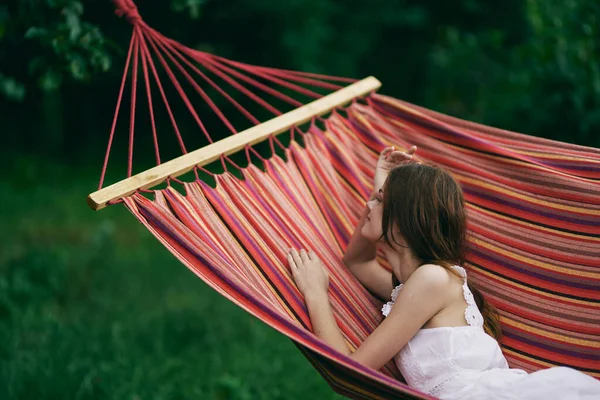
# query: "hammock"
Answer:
x=533 y=206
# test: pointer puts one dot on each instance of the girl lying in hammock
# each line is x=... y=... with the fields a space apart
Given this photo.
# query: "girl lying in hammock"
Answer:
x=439 y=330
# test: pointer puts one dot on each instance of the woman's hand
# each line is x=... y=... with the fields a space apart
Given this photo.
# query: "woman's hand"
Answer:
x=388 y=160
x=309 y=273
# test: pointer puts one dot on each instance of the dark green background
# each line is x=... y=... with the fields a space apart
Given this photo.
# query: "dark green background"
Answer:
x=90 y=305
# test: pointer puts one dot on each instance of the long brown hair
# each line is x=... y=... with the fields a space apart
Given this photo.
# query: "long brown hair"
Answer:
x=427 y=205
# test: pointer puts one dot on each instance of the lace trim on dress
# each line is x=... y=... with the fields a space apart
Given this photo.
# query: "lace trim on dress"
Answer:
x=472 y=314
x=385 y=310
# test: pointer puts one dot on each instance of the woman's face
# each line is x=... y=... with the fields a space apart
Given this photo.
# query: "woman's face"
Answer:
x=372 y=228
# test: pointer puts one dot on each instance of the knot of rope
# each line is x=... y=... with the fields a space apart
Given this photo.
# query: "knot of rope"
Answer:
x=127 y=9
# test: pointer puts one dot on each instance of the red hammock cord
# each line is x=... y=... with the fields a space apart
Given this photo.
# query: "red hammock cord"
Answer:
x=146 y=44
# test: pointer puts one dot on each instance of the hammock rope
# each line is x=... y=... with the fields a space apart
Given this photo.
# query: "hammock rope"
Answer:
x=533 y=205
x=146 y=42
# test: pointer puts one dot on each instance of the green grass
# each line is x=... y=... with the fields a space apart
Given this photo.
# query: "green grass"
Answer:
x=93 y=307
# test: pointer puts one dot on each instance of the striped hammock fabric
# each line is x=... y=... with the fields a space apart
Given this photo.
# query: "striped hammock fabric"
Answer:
x=534 y=220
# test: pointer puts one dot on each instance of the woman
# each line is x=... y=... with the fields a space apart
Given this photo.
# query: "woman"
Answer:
x=443 y=341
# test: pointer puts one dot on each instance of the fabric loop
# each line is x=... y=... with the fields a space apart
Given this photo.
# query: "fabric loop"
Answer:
x=128 y=9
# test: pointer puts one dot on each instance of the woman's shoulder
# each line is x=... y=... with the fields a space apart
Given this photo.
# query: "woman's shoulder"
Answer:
x=430 y=275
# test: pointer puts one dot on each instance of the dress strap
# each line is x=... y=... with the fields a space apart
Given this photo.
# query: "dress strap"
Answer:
x=462 y=272
x=472 y=314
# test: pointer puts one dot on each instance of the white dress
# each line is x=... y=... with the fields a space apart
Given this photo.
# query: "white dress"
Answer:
x=466 y=363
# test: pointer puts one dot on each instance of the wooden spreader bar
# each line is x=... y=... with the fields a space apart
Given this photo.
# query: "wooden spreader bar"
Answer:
x=231 y=144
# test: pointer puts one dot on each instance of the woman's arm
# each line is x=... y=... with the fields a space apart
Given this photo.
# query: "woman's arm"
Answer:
x=423 y=295
x=323 y=322
x=360 y=259
x=360 y=256
x=313 y=282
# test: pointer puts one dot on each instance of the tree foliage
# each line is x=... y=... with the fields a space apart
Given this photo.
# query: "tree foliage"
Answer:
x=528 y=65
x=547 y=83
x=57 y=43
